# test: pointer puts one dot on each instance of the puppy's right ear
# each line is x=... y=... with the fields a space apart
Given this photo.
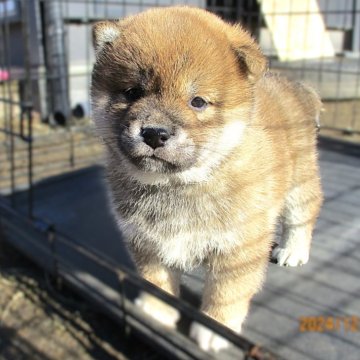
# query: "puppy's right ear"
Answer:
x=104 y=32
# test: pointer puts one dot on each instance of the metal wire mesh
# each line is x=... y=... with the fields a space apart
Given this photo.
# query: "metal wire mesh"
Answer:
x=312 y=41
x=45 y=129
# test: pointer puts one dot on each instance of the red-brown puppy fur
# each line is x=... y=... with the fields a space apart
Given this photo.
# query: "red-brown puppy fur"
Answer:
x=212 y=192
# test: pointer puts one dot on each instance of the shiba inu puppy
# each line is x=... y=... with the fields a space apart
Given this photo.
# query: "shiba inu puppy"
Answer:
x=206 y=150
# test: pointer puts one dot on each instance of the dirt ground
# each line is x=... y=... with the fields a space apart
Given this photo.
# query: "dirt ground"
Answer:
x=40 y=321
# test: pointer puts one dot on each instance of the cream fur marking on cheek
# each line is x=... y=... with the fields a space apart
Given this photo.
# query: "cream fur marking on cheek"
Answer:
x=210 y=158
x=232 y=135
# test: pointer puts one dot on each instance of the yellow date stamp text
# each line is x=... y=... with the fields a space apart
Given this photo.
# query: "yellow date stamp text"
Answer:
x=329 y=323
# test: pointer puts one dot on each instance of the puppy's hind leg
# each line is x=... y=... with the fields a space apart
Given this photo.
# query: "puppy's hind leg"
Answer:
x=302 y=206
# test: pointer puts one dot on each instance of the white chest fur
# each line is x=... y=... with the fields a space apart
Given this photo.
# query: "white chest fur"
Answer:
x=183 y=240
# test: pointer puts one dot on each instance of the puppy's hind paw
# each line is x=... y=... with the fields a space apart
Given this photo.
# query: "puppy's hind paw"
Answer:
x=290 y=256
x=207 y=339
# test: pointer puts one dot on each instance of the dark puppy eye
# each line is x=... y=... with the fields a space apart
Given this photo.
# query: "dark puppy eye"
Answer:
x=133 y=94
x=198 y=103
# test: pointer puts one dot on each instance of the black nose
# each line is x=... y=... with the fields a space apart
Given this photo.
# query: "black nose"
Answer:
x=155 y=137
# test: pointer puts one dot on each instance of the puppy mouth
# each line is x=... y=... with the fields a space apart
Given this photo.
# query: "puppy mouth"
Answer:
x=154 y=163
x=146 y=159
x=154 y=158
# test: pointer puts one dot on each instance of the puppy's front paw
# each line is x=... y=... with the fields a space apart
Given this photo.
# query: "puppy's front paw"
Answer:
x=207 y=339
x=290 y=256
x=158 y=310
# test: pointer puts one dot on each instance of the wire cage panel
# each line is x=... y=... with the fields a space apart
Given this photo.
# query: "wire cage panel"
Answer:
x=46 y=58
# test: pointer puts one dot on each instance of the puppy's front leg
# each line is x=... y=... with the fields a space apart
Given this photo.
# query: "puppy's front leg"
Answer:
x=230 y=284
x=167 y=279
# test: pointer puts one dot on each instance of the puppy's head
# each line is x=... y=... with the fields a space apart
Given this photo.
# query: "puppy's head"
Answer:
x=172 y=88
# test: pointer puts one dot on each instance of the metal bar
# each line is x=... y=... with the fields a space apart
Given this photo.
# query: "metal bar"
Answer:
x=338 y=80
x=350 y=131
x=11 y=133
x=27 y=49
x=56 y=62
x=8 y=121
x=12 y=102
x=28 y=111
x=216 y=8
x=324 y=70
x=355 y=110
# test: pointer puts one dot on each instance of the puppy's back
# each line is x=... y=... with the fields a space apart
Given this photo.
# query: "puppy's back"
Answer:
x=288 y=108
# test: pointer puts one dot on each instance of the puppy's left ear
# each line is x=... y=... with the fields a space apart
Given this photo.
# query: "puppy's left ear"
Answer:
x=104 y=33
x=251 y=59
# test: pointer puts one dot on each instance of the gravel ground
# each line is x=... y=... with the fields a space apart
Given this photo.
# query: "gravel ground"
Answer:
x=40 y=320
